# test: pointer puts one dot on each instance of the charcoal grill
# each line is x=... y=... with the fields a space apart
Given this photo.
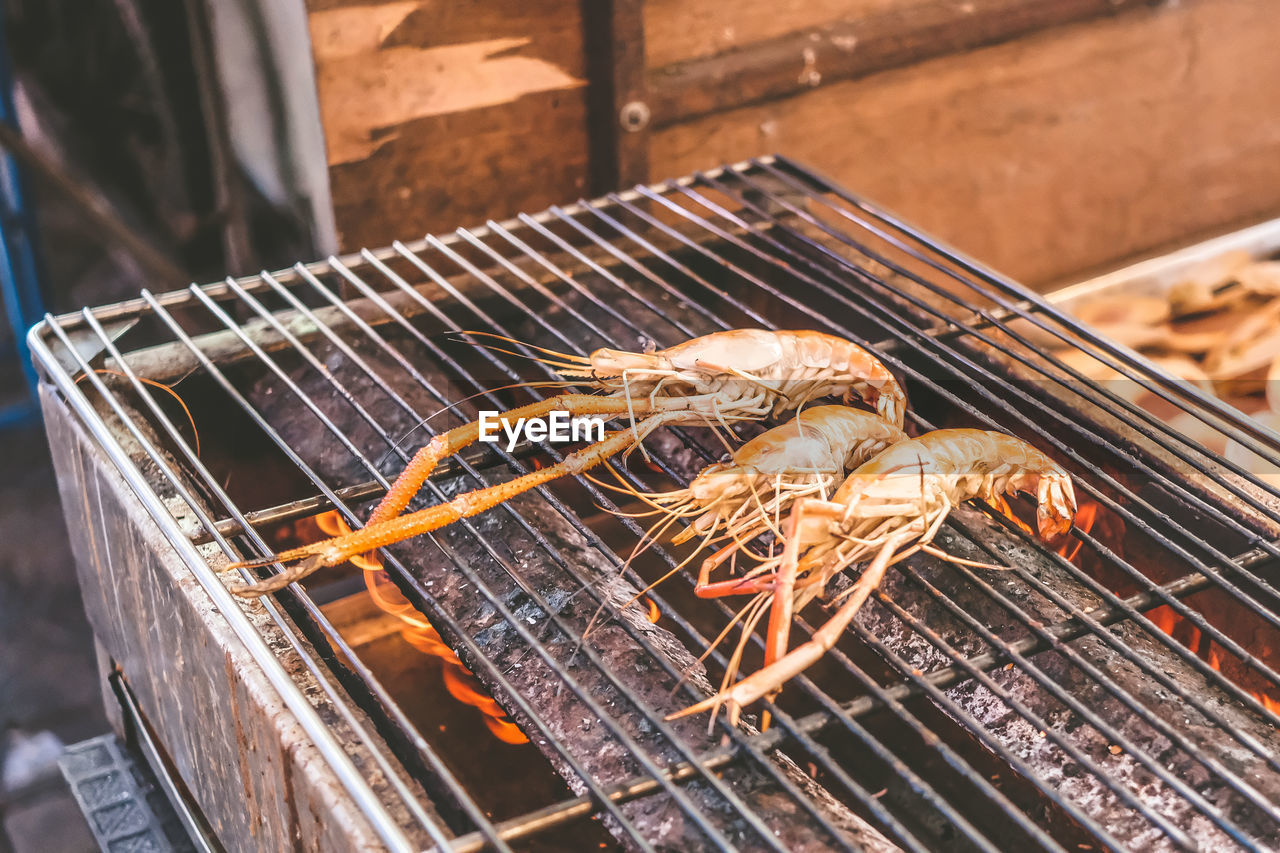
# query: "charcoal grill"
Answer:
x=967 y=709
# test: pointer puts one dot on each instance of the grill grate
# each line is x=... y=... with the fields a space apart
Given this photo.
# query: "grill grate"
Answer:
x=363 y=348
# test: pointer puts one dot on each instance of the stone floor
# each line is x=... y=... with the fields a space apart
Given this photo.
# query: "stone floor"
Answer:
x=48 y=677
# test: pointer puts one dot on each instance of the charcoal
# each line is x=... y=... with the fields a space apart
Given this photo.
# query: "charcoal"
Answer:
x=632 y=687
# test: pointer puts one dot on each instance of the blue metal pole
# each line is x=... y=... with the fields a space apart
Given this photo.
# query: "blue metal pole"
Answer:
x=19 y=271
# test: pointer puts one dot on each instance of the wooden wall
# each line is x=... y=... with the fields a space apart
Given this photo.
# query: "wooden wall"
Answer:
x=442 y=114
x=1051 y=154
x=1045 y=137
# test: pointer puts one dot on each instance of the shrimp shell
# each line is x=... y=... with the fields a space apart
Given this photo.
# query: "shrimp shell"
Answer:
x=790 y=368
x=959 y=464
x=807 y=455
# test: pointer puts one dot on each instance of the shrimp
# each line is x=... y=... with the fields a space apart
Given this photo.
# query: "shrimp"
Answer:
x=739 y=498
x=887 y=509
x=748 y=372
x=736 y=374
x=805 y=457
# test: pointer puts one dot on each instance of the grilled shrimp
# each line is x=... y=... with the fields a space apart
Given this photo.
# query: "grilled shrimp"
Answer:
x=887 y=509
x=805 y=457
x=756 y=369
x=741 y=373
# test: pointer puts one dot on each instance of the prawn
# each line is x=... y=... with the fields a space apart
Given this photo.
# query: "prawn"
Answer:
x=729 y=375
x=805 y=457
x=886 y=510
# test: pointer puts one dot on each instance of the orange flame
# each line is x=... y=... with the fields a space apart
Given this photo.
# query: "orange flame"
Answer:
x=419 y=633
x=1168 y=620
x=1001 y=506
x=1163 y=617
x=1086 y=517
x=654 y=613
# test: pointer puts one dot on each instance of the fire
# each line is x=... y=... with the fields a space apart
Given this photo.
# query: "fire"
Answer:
x=1164 y=617
x=654 y=613
x=419 y=633
x=1001 y=506
x=1086 y=517
x=1168 y=620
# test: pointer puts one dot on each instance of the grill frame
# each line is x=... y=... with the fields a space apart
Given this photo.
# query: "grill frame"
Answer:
x=1009 y=301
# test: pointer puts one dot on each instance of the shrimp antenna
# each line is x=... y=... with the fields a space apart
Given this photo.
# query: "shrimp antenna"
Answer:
x=737 y=617
x=651 y=536
x=168 y=389
x=562 y=356
x=558 y=365
x=625 y=488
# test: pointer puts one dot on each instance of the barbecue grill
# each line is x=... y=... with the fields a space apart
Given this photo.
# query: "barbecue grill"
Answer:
x=1114 y=692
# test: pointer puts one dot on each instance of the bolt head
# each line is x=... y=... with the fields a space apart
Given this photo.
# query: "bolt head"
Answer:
x=634 y=116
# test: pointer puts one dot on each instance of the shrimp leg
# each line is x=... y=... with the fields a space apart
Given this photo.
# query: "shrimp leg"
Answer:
x=332 y=552
x=769 y=679
x=447 y=444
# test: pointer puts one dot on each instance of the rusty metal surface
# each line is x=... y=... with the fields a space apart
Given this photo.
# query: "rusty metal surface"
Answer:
x=256 y=776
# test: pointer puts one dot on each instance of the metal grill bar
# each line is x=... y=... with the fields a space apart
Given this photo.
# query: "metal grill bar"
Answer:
x=695 y=254
x=1154 y=766
x=1097 y=546
x=1128 y=516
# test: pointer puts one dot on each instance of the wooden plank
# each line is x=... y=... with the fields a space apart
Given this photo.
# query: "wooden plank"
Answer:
x=440 y=114
x=1057 y=153
x=618 y=112
x=680 y=30
x=888 y=38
